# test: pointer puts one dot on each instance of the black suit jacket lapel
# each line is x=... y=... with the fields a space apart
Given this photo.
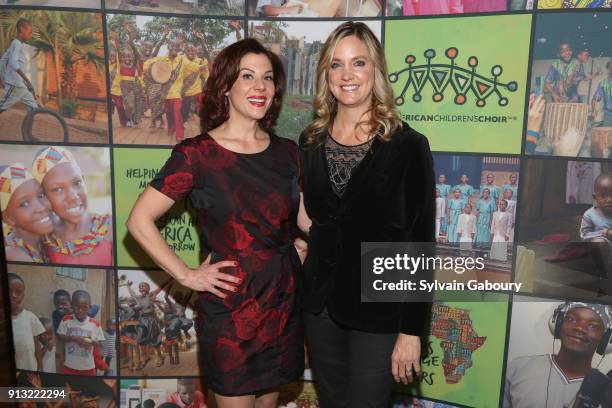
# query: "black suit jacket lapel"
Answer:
x=362 y=174
x=325 y=192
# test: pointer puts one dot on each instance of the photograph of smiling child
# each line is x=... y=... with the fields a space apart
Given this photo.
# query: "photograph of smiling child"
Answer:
x=56 y=204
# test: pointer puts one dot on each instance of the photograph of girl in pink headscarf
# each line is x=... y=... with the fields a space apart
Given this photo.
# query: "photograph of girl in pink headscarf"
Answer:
x=26 y=214
x=79 y=235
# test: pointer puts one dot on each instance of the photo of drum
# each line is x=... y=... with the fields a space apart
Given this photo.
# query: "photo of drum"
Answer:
x=161 y=71
x=565 y=126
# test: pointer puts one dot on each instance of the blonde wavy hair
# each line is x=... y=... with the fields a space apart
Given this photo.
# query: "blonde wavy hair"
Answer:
x=384 y=118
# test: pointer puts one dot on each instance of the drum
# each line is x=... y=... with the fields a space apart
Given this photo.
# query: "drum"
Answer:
x=161 y=71
x=565 y=126
x=601 y=141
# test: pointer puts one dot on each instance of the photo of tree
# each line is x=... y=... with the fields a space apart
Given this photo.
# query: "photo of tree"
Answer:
x=65 y=65
x=299 y=47
x=205 y=7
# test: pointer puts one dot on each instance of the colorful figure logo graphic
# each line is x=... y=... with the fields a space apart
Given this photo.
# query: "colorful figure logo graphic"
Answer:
x=462 y=80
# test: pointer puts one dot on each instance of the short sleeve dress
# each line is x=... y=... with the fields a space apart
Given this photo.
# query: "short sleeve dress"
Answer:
x=246 y=210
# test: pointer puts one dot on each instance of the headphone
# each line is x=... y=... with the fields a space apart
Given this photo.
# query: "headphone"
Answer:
x=556 y=321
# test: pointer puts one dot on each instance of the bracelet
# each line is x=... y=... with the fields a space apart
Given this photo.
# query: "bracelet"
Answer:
x=533 y=133
x=532 y=136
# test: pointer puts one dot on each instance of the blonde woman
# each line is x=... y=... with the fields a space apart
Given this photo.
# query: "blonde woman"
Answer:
x=366 y=176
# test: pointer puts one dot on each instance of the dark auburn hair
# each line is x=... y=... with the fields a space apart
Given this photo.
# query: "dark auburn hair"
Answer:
x=225 y=71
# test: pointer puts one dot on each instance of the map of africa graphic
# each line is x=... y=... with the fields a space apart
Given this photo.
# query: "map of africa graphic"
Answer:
x=462 y=365
x=458 y=339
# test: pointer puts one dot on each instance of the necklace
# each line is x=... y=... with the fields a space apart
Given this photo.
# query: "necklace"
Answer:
x=23 y=246
x=84 y=245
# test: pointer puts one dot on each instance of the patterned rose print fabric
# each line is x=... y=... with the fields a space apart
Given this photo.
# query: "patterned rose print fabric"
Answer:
x=246 y=208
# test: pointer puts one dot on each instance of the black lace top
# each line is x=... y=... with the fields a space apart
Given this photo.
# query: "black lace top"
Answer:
x=341 y=161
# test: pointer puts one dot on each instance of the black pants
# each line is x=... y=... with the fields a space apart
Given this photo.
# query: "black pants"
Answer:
x=351 y=368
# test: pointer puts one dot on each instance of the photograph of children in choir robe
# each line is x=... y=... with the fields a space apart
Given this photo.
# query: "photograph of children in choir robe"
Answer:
x=63 y=320
x=156 y=325
x=314 y=8
x=158 y=68
x=52 y=3
x=299 y=47
x=566 y=235
x=203 y=7
x=476 y=207
x=441 y=7
x=184 y=392
x=56 y=204
x=52 y=76
x=570 y=107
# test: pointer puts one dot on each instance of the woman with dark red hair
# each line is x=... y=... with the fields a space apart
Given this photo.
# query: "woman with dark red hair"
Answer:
x=243 y=183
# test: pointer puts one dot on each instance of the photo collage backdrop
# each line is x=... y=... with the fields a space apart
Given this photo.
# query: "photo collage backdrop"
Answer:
x=514 y=96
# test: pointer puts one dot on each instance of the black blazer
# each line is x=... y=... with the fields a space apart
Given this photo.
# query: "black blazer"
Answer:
x=390 y=197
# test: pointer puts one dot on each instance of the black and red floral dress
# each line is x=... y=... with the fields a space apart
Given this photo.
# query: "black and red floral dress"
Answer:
x=246 y=209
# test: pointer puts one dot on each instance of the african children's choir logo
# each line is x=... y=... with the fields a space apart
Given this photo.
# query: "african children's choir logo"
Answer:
x=466 y=83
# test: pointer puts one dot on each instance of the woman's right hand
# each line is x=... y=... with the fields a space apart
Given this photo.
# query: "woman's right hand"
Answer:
x=149 y=207
x=208 y=278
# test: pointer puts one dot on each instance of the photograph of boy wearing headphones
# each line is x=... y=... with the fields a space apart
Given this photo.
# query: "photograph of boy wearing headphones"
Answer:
x=553 y=380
